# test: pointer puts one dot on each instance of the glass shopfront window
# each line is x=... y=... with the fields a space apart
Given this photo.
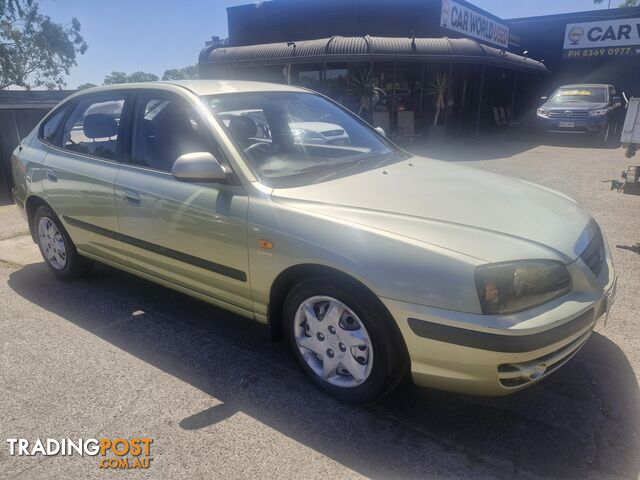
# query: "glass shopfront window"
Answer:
x=308 y=75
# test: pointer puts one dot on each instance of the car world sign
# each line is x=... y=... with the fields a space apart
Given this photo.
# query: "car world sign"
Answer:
x=610 y=38
x=466 y=21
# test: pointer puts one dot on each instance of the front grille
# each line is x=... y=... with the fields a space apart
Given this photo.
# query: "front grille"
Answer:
x=569 y=113
x=333 y=133
x=593 y=255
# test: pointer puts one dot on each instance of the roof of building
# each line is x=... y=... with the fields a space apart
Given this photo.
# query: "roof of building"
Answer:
x=32 y=98
x=339 y=48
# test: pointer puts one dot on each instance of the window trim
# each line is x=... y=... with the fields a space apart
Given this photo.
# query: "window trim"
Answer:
x=118 y=159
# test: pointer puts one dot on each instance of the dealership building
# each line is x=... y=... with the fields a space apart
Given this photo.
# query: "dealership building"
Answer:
x=416 y=67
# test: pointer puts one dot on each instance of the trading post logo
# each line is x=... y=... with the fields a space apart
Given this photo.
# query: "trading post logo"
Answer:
x=117 y=453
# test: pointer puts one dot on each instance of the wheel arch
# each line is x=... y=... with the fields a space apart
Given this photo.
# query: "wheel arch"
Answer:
x=285 y=281
x=31 y=206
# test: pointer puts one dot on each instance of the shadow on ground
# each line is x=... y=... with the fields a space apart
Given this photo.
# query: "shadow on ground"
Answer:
x=632 y=248
x=584 y=420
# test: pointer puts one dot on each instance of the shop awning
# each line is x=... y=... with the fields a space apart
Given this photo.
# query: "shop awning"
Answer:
x=341 y=49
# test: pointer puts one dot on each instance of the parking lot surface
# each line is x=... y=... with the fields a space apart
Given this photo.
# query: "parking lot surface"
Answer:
x=113 y=355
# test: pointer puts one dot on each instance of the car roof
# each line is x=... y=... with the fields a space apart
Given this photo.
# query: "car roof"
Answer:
x=212 y=87
x=206 y=87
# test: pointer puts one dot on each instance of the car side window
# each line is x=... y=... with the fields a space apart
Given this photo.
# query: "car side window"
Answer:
x=165 y=127
x=52 y=124
x=93 y=126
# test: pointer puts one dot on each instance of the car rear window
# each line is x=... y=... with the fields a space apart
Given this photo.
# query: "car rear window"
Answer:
x=52 y=124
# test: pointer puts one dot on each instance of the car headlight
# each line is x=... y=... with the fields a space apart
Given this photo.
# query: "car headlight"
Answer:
x=543 y=112
x=512 y=287
x=599 y=113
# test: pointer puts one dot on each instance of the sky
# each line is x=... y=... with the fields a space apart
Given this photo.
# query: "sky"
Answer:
x=156 y=35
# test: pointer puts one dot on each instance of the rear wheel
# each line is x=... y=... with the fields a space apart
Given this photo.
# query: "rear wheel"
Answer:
x=343 y=341
x=56 y=247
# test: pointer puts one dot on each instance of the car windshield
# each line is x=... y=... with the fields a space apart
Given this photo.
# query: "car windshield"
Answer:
x=296 y=138
x=580 y=95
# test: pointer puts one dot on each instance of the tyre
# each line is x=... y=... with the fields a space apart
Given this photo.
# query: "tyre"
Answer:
x=344 y=339
x=56 y=247
x=605 y=136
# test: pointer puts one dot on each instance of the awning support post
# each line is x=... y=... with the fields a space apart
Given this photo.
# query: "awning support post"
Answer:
x=481 y=96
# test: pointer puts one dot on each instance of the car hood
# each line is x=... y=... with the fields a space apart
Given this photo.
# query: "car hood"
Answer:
x=484 y=215
x=576 y=106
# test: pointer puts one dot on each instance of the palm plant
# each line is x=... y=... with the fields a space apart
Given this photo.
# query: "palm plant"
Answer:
x=438 y=89
x=366 y=90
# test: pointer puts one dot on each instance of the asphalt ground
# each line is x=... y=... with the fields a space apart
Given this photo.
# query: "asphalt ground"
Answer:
x=113 y=355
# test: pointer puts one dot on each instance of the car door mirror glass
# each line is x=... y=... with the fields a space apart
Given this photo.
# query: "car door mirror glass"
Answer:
x=198 y=167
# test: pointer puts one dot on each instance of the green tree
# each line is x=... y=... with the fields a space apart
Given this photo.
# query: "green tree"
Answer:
x=625 y=3
x=135 y=77
x=186 y=73
x=34 y=50
x=84 y=86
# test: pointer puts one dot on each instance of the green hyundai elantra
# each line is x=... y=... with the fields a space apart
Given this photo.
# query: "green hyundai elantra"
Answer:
x=278 y=204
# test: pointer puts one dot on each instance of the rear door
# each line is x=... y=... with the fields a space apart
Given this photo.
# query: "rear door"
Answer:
x=80 y=171
x=190 y=234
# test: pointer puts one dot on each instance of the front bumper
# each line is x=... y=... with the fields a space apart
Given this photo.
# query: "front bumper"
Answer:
x=587 y=125
x=460 y=352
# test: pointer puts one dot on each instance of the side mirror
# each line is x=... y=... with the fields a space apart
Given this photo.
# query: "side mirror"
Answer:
x=198 y=167
x=617 y=100
x=381 y=131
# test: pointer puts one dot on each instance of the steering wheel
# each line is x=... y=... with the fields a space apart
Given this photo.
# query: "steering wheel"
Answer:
x=265 y=146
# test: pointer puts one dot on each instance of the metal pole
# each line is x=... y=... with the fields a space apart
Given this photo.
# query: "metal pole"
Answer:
x=393 y=100
x=422 y=122
x=446 y=100
x=513 y=97
x=484 y=68
x=371 y=99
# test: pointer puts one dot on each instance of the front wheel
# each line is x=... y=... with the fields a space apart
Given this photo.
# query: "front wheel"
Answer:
x=605 y=135
x=343 y=340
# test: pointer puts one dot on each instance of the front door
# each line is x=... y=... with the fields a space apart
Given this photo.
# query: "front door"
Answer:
x=190 y=234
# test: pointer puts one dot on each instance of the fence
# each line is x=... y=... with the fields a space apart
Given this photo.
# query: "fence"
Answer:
x=20 y=111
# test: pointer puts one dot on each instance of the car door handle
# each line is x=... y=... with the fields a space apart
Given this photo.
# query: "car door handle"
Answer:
x=51 y=175
x=131 y=196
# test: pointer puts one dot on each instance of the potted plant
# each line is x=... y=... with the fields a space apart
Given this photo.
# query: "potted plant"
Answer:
x=438 y=88
x=367 y=92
